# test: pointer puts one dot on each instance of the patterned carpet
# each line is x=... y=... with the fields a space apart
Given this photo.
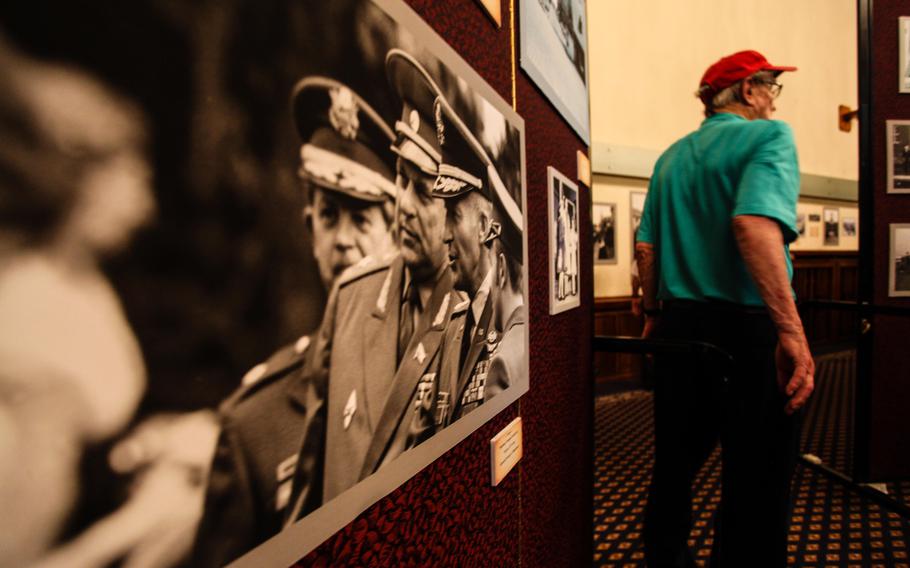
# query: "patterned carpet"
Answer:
x=830 y=526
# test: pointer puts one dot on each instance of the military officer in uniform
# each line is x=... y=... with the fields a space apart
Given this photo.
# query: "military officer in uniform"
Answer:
x=348 y=169
x=508 y=355
x=477 y=203
x=377 y=353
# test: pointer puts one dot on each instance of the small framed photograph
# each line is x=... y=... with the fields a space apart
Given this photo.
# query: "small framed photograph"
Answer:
x=903 y=43
x=564 y=255
x=801 y=224
x=832 y=226
x=898 y=146
x=899 y=260
x=603 y=220
x=849 y=226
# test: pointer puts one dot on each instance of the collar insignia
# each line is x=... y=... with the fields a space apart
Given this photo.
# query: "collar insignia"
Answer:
x=441 y=314
x=420 y=353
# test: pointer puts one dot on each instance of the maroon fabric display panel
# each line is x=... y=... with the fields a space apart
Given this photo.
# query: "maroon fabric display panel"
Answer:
x=890 y=388
x=540 y=515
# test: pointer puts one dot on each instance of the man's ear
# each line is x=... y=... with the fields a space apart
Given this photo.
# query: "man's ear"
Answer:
x=746 y=93
x=501 y=270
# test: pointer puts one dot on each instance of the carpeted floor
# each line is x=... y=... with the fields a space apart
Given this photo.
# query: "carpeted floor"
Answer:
x=830 y=527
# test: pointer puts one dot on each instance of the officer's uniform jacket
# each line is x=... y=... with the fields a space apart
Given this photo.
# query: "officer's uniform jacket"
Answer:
x=508 y=361
x=249 y=488
x=467 y=360
x=368 y=391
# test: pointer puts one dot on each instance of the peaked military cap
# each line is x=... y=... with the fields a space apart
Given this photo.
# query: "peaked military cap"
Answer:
x=417 y=139
x=464 y=161
x=345 y=142
x=466 y=166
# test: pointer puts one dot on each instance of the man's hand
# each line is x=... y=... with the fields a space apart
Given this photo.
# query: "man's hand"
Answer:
x=795 y=369
x=650 y=324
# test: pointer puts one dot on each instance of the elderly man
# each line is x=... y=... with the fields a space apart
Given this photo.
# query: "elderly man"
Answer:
x=347 y=169
x=712 y=247
x=479 y=214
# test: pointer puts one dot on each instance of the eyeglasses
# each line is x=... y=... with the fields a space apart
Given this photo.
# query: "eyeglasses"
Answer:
x=774 y=88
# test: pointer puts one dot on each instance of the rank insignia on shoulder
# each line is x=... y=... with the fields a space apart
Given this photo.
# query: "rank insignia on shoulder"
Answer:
x=349 y=409
x=301 y=344
x=254 y=375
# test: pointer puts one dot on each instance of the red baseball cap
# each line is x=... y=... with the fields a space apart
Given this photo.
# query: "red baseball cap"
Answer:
x=732 y=68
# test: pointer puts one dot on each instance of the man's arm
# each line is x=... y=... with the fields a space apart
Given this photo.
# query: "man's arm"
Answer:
x=761 y=244
x=647 y=275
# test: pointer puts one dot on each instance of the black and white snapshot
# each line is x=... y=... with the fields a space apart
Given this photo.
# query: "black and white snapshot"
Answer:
x=564 y=240
x=603 y=220
x=899 y=265
x=832 y=226
x=252 y=255
x=898 y=156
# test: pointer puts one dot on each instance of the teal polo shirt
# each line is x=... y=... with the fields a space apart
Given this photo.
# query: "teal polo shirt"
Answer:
x=730 y=166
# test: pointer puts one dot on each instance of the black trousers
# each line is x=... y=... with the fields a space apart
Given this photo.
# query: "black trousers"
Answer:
x=698 y=403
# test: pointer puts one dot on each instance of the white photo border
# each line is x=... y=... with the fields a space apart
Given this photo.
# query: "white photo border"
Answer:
x=558 y=306
x=893 y=292
x=890 y=126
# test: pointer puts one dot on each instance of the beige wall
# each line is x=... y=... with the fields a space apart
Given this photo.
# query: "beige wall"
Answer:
x=615 y=279
x=813 y=239
x=646 y=59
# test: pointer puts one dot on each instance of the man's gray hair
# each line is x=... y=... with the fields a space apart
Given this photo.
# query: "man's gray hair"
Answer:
x=730 y=95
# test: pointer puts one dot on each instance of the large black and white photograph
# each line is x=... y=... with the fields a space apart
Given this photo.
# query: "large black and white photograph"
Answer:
x=603 y=219
x=261 y=265
x=831 y=226
x=899 y=260
x=898 y=147
x=562 y=205
x=554 y=46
